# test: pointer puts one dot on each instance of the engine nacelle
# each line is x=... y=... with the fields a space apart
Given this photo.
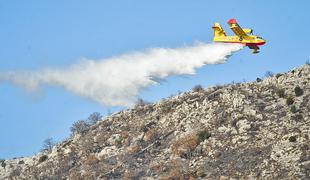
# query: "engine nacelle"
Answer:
x=247 y=30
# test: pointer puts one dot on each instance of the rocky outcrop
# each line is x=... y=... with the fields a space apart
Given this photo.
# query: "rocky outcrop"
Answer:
x=257 y=130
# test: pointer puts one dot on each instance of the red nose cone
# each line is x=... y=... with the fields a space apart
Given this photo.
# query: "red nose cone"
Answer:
x=232 y=21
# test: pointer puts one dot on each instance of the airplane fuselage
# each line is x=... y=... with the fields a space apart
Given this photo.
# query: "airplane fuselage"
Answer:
x=248 y=41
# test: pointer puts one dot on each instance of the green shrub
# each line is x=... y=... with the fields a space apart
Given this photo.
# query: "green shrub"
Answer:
x=197 y=88
x=289 y=100
x=292 y=139
x=200 y=172
x=278 y=75
x=281 y=93
x=43 y=158
x=298 y=117
x=119 y=142
x=258 y=79
x=21 y=162
x=298 y=91
x=203 y=135
x=293 y=109
x=2 y=162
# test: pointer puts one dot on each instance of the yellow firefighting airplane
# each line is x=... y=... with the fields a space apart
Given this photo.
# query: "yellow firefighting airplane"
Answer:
x=243 y=36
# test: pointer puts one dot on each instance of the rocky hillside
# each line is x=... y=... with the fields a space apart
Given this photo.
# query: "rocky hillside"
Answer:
x=257 y=130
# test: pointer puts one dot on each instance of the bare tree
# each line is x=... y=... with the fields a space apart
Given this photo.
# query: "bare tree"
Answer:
x=80 y=127
x=109 y=112
x=141 y=102
x=269 y=74
x=48 y=144
x=94 y=118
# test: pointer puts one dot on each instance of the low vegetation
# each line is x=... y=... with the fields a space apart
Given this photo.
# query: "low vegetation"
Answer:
x=258 y=80
x=292 y=139
x=203 y=135
x=278 y=75
x=2 y=163
x=184 y=146
x=91 y=159
x=21 y=162
x=197 y=88
x=298 y=91
x=43 y=158
x=177 y=174
x=293 y=109
x=281 y=93
x=151 y=135
x=290 y=100
x=177 y=170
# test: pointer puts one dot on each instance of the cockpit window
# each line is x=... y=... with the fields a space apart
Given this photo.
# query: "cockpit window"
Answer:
x=259 y=37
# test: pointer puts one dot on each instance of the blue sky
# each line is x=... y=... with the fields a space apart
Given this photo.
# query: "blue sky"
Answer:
x=55 y=33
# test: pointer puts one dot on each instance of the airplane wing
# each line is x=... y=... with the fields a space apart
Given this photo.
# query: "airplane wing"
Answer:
x=236 y=28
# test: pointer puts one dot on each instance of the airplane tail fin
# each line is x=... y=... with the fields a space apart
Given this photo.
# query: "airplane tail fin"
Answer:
x=218 y=30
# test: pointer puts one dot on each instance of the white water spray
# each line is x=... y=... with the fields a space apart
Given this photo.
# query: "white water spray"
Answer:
x=117 y=81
